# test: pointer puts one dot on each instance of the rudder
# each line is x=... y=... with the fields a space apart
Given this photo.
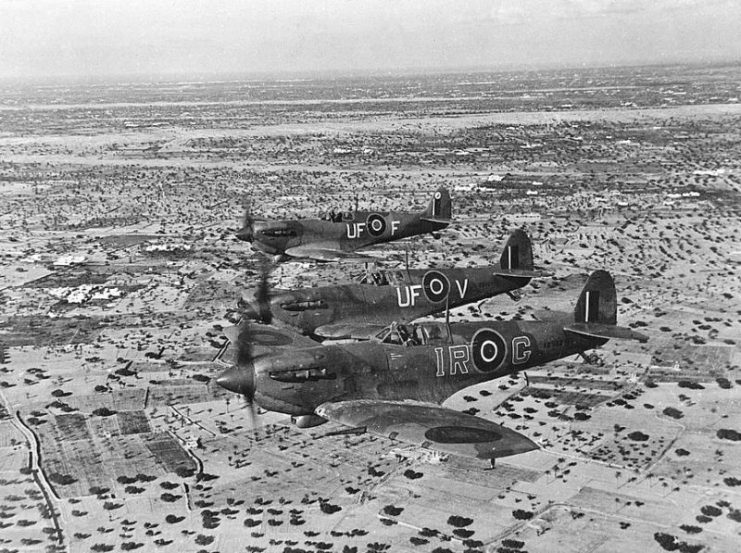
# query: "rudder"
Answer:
x=518 y=252
x=440 y=207
x=597 y=302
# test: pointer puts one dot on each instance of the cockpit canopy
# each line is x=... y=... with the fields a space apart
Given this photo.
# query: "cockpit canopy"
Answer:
x=382 y=278
x=414 y=334
x=334 y=216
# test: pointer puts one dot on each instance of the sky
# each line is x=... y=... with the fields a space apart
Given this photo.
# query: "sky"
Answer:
x=100 y=38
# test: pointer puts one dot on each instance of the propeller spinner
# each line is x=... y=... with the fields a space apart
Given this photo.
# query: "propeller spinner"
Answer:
x=247 y=232
x=240 y=378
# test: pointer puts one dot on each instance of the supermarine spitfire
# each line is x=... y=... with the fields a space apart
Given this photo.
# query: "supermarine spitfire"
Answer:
x=337 y=236
x=393 y=385
x=361 y=309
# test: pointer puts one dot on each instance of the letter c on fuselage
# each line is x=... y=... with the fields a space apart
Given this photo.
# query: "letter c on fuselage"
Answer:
x=520 y=350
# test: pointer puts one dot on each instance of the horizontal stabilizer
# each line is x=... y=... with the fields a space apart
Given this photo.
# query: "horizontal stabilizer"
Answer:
x=429 y=426
x=598 y=330
x=436 y=220
x=552 y=316
x=341 y=331
x=522 y=273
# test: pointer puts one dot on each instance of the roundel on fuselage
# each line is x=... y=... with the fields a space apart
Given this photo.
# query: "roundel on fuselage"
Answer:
x=376 y=224
x=436 y=286
x=488 y=350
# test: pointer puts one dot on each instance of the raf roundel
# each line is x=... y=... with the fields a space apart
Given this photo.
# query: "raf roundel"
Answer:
x=376 y=224
x=488 y=350
x=436 y=286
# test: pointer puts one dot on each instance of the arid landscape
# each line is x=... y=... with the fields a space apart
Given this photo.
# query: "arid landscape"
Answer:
x=120 y=271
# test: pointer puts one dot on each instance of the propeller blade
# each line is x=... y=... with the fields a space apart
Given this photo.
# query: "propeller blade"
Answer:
x=247 y=220
x=247 y=231
x=262 y=295
x=240 y=378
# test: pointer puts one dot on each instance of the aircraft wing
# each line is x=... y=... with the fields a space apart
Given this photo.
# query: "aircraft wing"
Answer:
x=338 y=331
x=429 y=426
x=328 y=253
x=264 y=339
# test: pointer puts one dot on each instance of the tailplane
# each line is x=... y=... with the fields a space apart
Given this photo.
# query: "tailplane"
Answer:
x=595 y=314
x=439 y=209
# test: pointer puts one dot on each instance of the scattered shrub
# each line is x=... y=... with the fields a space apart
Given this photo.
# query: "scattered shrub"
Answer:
x=728 y=434
x=459 y=522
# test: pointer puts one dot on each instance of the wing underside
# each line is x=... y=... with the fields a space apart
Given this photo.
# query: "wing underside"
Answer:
x=328 y=252
x=429 y=426
x=264 y=339
x=339 y=331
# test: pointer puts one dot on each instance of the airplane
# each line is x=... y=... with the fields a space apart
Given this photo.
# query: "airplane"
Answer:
x=400 y=295
x=393 y=386
x=337 y=236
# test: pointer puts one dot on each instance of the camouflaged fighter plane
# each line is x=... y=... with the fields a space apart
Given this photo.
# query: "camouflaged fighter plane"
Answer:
x=336 y=236
x=400 y=295
x=392 y=386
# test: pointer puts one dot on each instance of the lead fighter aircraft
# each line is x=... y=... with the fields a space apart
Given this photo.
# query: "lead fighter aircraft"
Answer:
x=337 y=236
x=361 y=309
x=393 y=385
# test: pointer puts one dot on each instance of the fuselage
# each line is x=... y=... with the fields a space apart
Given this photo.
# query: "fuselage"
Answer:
x=392 y=295
x=302 y=379
x=349 y=231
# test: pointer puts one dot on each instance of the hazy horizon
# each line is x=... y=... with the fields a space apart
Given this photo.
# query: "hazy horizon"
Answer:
x=87 y=40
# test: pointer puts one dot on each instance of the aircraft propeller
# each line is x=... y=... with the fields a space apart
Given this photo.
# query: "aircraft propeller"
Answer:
x=260 y=310
x=247 y=231
x=262 y=295
x=240 y=378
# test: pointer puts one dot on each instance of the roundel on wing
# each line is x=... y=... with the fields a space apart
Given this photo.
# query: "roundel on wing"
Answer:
x=461 y=435
x=436 y=286
x=376 y=224
x=488 y=350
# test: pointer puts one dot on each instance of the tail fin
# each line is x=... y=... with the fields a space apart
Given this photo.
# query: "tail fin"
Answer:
x=517 y=257
x=439 y=209
x=597 y=302
x=595 y=314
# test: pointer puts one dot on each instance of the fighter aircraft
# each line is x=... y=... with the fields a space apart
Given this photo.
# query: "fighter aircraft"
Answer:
x=336 y=236
x=380 y=297
x=393 y=386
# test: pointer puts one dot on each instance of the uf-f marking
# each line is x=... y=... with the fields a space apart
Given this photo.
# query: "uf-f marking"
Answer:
x=356 y=230
x=458 y=357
